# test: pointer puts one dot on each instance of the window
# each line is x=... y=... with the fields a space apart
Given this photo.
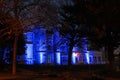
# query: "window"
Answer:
x=90 y=59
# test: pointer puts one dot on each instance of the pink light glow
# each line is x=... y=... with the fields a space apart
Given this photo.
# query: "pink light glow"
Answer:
x=77 y=54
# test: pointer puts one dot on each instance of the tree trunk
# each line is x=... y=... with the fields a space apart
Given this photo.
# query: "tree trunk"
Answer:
x=109 y=45
x=1 y=59
x=14 y=55
x=70 y=54
x=1 y=55
x=110 y=57
x=54 y=51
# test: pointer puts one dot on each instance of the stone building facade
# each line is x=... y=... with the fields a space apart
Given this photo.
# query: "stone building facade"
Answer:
x=42 y=47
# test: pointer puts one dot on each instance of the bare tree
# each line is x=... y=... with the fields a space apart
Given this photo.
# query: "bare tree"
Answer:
x=73 y=25
x=18 y=15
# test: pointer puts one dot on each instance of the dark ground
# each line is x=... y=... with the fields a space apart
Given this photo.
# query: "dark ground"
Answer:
x=49 y=72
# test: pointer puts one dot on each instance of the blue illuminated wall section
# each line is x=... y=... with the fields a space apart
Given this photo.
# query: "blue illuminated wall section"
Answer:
x=75 y=55
x=73 y=58
x=82 y=54
x=58 y=58
x=40 y=45
x=43 y=47
x=29 y=47
x=87 y=57
x=64 y=54
x=29 y=56
x=42 y=57
x=88 y=53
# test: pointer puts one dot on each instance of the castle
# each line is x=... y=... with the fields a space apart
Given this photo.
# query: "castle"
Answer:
x=42 y=47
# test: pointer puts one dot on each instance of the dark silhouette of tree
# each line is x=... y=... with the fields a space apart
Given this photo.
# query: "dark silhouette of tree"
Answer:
x=2 y=41
x=96 y=19
x=6 y=42
x=72 y=25
x=105 y=24
x=20 y=15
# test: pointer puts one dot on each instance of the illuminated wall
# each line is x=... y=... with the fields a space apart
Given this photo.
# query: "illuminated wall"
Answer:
x=58 y=58
x=74 y=58
x=42 y=57
x=29 y=48
x=29 y=56
x=42 y=48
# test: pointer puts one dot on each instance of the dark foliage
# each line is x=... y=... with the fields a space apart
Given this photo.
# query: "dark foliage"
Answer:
x=105 y=16
x=96 y=19
x=73 y=25
x=7 y=40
